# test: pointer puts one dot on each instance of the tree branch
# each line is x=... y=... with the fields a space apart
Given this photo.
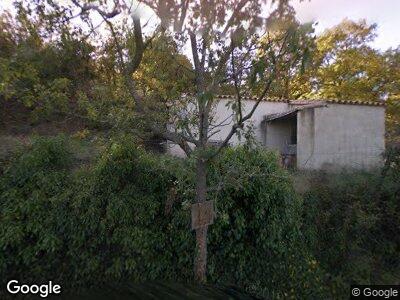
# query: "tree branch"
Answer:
x=139 y=46
x=241 y=121
x=231 y=20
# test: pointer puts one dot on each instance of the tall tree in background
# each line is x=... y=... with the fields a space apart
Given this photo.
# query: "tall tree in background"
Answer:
x=42 y=74
x=292 y=82
x=392 y=59
x=346 y=66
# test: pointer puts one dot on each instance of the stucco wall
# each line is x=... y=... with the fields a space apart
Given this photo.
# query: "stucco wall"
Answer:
x=341 y=136
x=221 y=112
x=264 y=108
x=332 y=137
x=305 y=138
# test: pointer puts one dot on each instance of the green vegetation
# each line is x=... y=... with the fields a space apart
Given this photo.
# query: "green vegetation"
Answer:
x=113 y=213
x=126 y=218
x=69 y=78
x=349 y=222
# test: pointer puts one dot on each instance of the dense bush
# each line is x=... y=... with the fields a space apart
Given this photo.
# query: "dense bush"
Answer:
x=122 y=231
x=352 y=223
x=135 y=207
x=256 y=240
x=127 y=218
x=33 y=215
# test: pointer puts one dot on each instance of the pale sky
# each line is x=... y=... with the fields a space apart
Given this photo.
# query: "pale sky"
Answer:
x=386 y=13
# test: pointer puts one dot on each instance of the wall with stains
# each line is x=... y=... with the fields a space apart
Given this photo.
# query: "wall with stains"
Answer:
x=333 y=137
x=341 y=136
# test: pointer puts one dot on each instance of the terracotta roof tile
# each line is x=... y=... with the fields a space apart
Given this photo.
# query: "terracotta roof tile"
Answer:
x=305 y=101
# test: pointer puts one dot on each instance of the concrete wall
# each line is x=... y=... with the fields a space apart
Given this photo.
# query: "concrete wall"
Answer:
x=305 y=138
x=264 y=108
x=221 y=112
x=341 y=136
x=332 y=137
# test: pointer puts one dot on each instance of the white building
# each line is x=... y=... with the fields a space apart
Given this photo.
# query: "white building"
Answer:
x=326 y=134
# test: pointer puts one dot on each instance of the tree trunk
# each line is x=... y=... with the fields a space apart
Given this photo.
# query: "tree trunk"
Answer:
x=200 y=262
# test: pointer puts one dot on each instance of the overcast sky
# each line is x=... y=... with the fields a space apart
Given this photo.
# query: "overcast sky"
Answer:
x=386 y=13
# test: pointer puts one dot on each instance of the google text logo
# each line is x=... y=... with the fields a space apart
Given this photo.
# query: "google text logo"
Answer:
x=44 y=290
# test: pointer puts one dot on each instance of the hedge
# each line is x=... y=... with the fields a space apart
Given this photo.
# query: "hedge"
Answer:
x=126 y=218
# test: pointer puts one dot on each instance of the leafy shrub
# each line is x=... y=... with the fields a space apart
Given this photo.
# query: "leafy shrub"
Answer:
x=127 y=218
x=121 y=229
x=256 y=241
x=32 y=212
x=134 y=212
x=351 y=220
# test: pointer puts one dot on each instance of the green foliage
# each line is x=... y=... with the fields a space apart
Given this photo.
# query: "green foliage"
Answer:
x=342 y=64
x=346 y=66
x=118 y=214
x=256 y=241
x=128 y=219
x=135 y=208
x=297 y=41
x=109 y=101
x=351 y=222
x=43 y=75
x=32 y=212
x=164 y=84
